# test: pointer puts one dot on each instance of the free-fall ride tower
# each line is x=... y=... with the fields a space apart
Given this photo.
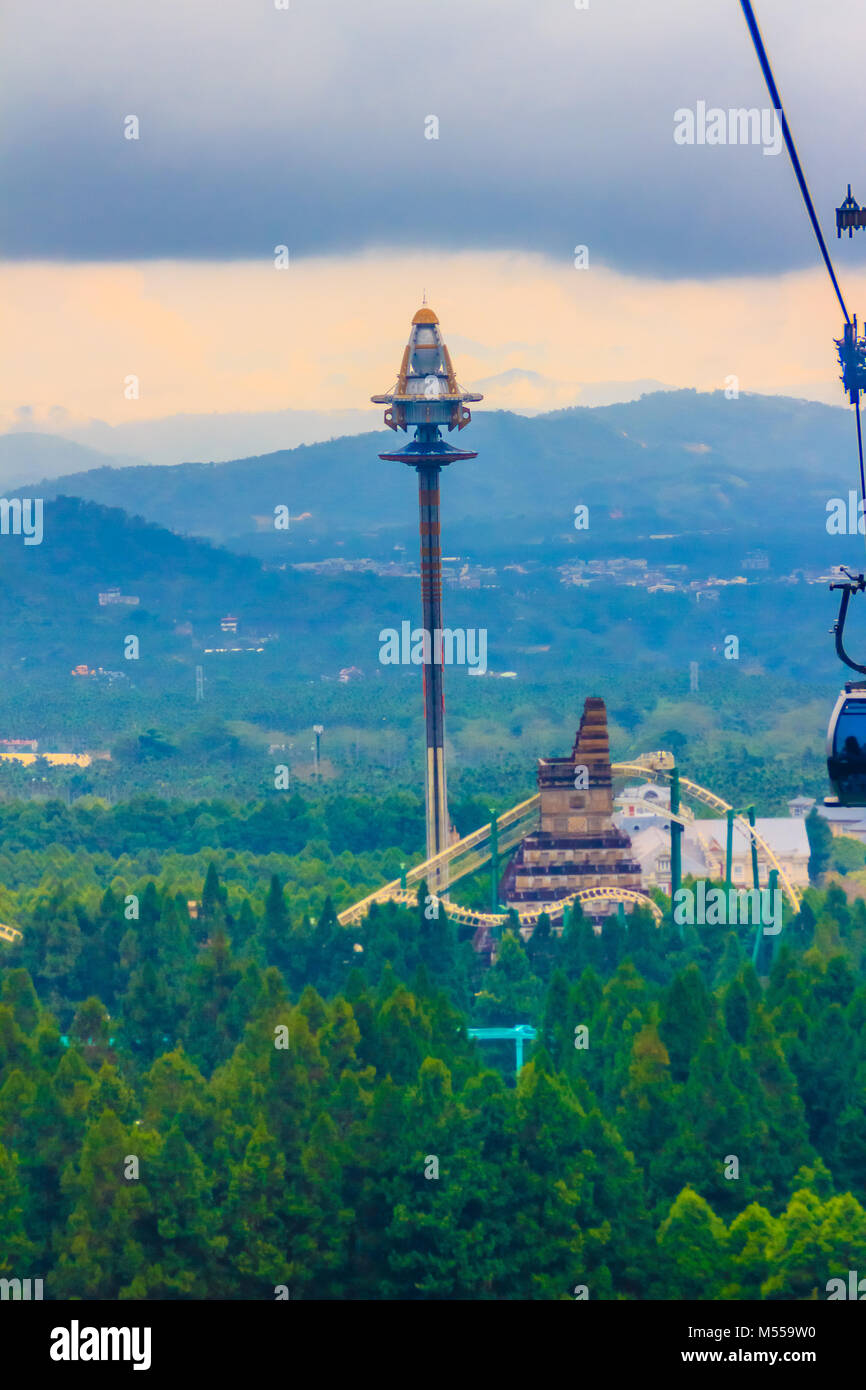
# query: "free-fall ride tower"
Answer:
x=425 y=398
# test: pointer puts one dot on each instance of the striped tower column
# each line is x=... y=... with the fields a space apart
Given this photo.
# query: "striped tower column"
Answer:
x=438 y=825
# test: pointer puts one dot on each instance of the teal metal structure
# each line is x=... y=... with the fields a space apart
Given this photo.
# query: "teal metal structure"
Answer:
x=494 y=864
x=750 y=812
x=773 y=886
x=520 y=1033
x=729 y=851
x=676 y=834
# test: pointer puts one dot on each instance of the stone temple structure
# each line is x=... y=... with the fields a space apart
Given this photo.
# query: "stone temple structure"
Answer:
x=577 y=845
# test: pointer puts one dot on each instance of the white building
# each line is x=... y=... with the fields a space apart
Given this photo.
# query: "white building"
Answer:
x=114 y=596
x=703 y=843
x=842 y=820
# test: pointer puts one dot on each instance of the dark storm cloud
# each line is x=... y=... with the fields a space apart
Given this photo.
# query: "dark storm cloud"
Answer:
x=306 y=127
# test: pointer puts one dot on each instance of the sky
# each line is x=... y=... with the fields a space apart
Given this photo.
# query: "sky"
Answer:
x=307 y=128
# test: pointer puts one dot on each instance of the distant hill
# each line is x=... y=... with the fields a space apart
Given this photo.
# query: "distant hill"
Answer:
x=670 y=462
x=218 y=435
x=716 y=477
x=52 y=617
x=50 y=590
x=26 y=455
x=312 y=625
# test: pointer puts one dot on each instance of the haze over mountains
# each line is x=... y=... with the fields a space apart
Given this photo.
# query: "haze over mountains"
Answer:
x=37 y=442
x=670 y=462
x=28 y=455
x=217 y=436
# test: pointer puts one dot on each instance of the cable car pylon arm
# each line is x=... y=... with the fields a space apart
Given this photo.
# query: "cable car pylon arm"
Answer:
x=854 y=584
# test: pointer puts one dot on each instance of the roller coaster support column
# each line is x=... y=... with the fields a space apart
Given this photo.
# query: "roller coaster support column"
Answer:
x=676 y=832
x=494 y=864
x=773 y=885
x=759 y=936
x=729 y=850
x=756 y=883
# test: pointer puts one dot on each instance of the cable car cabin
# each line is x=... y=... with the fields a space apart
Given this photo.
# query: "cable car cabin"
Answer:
x=850 y=216
x=846 y=746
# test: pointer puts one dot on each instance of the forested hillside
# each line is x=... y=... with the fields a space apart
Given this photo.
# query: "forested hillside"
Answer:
x=306 y=1110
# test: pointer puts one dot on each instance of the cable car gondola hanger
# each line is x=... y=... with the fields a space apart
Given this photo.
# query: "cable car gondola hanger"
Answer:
x=846 y=733
x=850 y=216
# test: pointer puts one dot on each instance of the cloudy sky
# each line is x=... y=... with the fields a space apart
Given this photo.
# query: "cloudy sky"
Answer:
x=305 y=127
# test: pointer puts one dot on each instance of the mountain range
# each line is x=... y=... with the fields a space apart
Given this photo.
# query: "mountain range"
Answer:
x=676 y=477
x=671 y=462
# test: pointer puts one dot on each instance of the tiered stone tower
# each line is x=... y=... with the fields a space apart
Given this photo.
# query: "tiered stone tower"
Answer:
x=578 y=845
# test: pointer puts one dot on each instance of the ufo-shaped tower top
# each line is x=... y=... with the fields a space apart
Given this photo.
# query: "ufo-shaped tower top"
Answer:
x=426 y=391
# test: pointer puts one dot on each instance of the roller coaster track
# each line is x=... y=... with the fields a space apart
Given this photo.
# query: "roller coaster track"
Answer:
x=529 y=916
x=686 y=818
x=648 y=765
x=468 y=854
x=461 y=858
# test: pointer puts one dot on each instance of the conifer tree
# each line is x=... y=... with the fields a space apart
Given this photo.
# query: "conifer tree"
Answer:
x=212 y=898
x=180 y=1230
x=754 y=1237
x=276 y=936
x=100 y=1251
x=18 y=993
x=686 y=1013
x=254 y=1219
x=693 y=1251
x=17 y=1251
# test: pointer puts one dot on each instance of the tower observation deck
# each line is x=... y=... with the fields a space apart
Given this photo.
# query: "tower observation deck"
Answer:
x=427 y=398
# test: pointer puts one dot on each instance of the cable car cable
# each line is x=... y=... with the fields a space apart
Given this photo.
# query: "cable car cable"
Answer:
x=860 y=451
x=764 y=61
x=846 y=734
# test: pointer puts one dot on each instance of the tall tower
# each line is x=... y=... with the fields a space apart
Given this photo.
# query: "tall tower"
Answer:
x=425 y=398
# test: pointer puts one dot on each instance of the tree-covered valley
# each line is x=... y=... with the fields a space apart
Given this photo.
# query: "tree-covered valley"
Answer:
x=306 y=1111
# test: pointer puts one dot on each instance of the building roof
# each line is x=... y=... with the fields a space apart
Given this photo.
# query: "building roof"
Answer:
x=646 y=791
x=653 y=840
x=784 y=834
x=647 y=845
x=852 y=816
